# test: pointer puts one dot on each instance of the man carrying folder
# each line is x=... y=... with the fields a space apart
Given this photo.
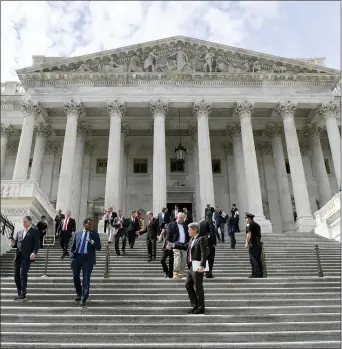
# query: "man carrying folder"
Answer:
x=197 y=263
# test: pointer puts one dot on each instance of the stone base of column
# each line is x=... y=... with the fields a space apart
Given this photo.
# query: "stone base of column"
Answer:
x=288 y=228
x=265 y=224
x=305 y=224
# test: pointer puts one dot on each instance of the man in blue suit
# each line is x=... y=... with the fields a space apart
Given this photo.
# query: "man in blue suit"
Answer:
x=83 y=256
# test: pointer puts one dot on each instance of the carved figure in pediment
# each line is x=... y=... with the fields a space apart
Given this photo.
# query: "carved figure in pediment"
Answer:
x=111 y=67
x=256 y=67
x=208 y=61
x=278 y=69
x=223 y=66
x=135 y=65
x=180 y=57
x=83 y=68
x=151 y=62
x=246 y=66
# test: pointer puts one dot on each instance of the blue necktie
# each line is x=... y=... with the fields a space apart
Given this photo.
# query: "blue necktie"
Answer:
x=82 y=248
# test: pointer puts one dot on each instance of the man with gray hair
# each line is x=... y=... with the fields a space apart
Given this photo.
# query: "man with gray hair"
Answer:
x=151 y=229
x=178 y=235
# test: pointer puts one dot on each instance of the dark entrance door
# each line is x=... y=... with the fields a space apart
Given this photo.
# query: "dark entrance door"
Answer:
x=171 y=207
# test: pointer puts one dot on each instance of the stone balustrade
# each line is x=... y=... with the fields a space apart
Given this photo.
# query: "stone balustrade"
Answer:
x=12 y=88
x=328 y=219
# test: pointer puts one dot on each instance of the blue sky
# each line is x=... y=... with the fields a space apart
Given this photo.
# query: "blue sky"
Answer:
x=61 y=28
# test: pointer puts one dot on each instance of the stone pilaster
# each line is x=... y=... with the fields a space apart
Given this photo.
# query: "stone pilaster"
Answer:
x=116 y=110
x=202 y=110
x=6 y=132
x=42 y=132
x=275 y=131
x=305 y=221
x=73 y=111
x=234 y=131
x=123 y=166
x=232 y=195
x=198 y=213
x=30 y=110
x=83 y=131
x=313 y=133
x=330 y=111
x=51 y=149
x=159 y=109
x=244 y=110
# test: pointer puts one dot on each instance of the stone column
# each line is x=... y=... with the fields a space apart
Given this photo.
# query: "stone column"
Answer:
x=313 y=133
x=330 y=112
x=6 y=132
x=274 y=131
x=123 y=165
x=305 y=221
x=51 y=149
x=159 y=109
x=42 y=132
x=73 y=111
x=31 y=111
x=202 y=110
x=244 y=111
x=234 y=131
x=116 y=110
x=232 y=186
x=83 y=131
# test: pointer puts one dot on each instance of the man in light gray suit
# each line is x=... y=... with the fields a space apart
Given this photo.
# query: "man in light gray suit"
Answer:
x=119 y=225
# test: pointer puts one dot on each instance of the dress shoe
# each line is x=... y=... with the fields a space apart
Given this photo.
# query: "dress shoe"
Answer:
x=191 y=311
x=209 y=276
x=149 y=260
x=16 y=298
x=22 y=298
x=166 y=275
x=199 y=311
x=77 y=299
x=63 y=256
x=153 y=258
x=252 y=276
x=83 y=303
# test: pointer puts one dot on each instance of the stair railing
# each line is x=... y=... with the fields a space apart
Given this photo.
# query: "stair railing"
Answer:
x=106 y=271
x=7 y=227
x=263 y=260
x=319 y=265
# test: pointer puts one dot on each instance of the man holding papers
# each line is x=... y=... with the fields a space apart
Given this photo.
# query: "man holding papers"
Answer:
x=197 y=264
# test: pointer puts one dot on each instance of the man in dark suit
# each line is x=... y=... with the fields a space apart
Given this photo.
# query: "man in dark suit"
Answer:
x=166 y=252
x=132 y=229
x=164 y=217
x=111 y=216
x=188 y=216
x=151 y=229
x=83 y=256
x=68 y=228
x=196 y=259
x=27 y=244
x=42 y=228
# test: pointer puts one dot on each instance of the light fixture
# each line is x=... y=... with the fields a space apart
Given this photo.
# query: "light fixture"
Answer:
x=180 y=150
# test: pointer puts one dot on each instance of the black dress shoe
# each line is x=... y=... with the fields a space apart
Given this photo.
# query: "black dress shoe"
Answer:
x=62 y=256
x=149 y=260
x=252 y=277
x=199 y=311
x=166 y=275
x=83 y=303
x=22 y=298
x=77 y=299
x=209 y=276
x=16 y=298
x=191 y=311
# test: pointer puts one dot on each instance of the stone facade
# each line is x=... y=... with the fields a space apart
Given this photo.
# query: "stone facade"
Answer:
x=243 y=118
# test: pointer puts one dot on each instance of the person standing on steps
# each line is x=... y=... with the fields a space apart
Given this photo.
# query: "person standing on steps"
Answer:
x=231 y=230
x=68 y=228
x=166 y=252
x=83 y=256
x=196 y=258
x=27 y=244
x=119 y=225
x=58 y=223
x=164 y=218
x=151 y=239
x=253 y=243
x=236 y=218
x=42 y=228
x=133 y=229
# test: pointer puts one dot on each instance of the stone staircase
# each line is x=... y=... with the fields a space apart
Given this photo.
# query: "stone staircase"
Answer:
x=137 y=308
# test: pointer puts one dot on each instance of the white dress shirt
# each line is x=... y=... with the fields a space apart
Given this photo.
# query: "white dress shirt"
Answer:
x=181 y=234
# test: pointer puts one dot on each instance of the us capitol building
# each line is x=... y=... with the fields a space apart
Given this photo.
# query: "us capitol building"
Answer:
x=174 y=121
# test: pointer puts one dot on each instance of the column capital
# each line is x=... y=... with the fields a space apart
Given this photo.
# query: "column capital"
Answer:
x=244 y=108
x=43 y=129
x=116 y=108
x=159 y=107
x=329 y=109
x=125 y=129
x=51 y=148
x=83 y=128
x=202 y=107
x=74 y=108
x=273 y=130
x=265 y=148
x=287 y=108
x=233 y=130
x=12 y=148
x=192 y=130
x=29 y=107
x=89 y=148
x=311 y=130
x=228 y=148
x=7 y=130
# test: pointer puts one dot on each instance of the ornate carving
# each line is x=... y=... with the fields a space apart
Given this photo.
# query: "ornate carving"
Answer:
x=116 y=108
x=24 y=211
x=151 y=62
x=286 y=108
x=51 y=148
x=7 y=130
x=83 y=128
x=244 y=108
x=228 y=148
x=192 y=129
x=73 y=107
x=278 y=69
x=265 y=148
x=273 y=130
x=12 y=148
x=43 y=129
x=202 y=107
x=311 y=130
x=31 y=108
x=330 y=109
x=233 y=130
x=124 y=129
x=159 y=107
x=304 y=148
x=135 y=64
x=89 y=148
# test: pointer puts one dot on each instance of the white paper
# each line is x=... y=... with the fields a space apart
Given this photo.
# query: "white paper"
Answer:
x=197 y=264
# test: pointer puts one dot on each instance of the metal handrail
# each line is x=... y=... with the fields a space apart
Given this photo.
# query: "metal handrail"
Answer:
x=319 y=265
x=6 y=225
x=106 y=271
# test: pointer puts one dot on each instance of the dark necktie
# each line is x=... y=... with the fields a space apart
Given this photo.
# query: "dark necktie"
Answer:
x=189 y=251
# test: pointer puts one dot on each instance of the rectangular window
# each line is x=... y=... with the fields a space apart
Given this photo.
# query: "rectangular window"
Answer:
x=327 y=166
x=176 y=166
x=287 y=166
x=101 y=166
x=140 y=165
x=216 y=165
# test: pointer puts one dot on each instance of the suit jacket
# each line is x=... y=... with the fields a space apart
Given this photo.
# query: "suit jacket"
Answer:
x=29 y=245
x=174 y=215
x=71 y=227
x=188 y=219
x=42 y=227
x=173 y=235
x=133 y=226
x=199 y=250
x=151 y=229
x=91 y=249
x=207 y=228
x=117 y=225
x=111 y=218
x=167 y=218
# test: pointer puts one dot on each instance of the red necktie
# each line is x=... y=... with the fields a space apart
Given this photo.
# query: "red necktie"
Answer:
x=66 y=224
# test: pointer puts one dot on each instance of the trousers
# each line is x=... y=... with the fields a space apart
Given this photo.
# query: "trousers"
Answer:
x=21 y=268
x=120 y=234
x=64 y=241
x=179 y=261
x=256 y=261
x=194 y=286
x=211 y=259
x=167 y=270
x=79 y=262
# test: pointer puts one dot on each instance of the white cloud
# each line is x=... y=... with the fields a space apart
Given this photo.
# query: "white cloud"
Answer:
x=76 y=28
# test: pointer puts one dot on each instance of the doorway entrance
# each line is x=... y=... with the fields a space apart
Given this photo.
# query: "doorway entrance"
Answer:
x=171 y=206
